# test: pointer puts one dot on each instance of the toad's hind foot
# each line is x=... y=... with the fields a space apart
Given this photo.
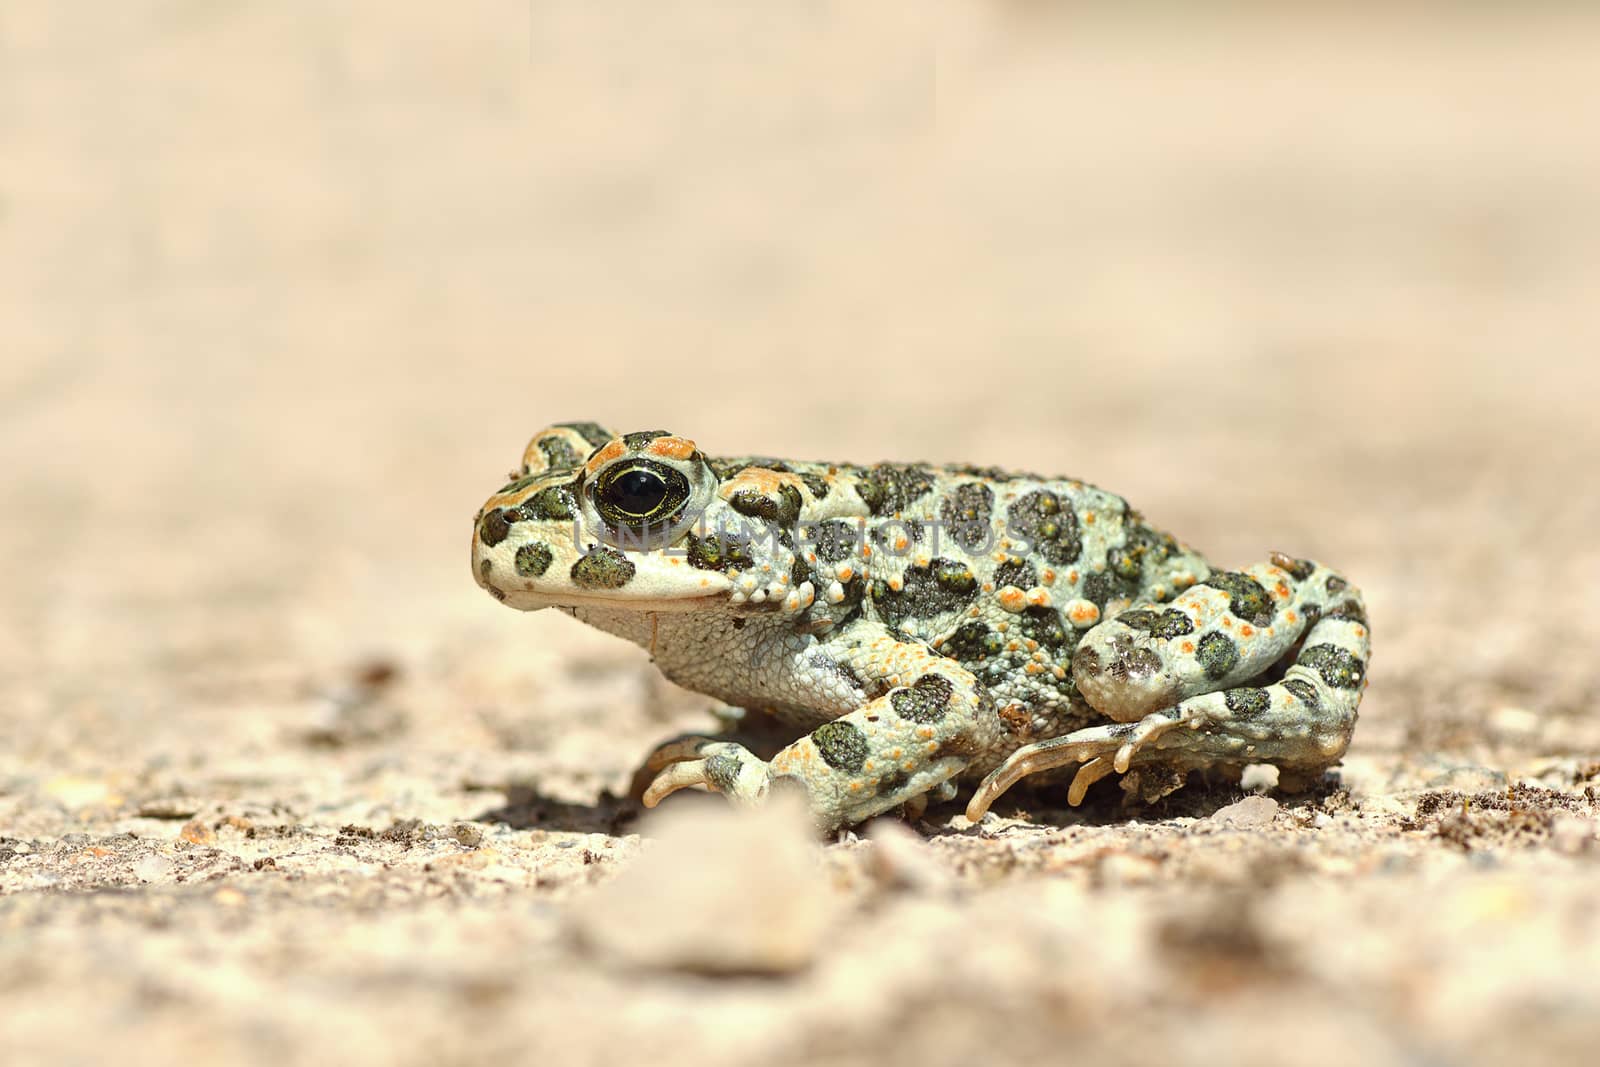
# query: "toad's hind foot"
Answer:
x=1300 y=723
x=1099 y=750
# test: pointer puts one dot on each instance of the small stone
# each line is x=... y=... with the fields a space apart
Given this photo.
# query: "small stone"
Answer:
x=197 y=833
x=1572 y=834
x=71 y=791
x=1468 y=778
x=153 y=868
x=478 y=859
x=1514 y=724
x=899 y=858
x=718 y=891
x=169 y=808
x=1246 y=814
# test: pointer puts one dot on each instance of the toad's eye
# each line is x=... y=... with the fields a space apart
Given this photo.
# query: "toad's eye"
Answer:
x=640 y=492
x=636 y=492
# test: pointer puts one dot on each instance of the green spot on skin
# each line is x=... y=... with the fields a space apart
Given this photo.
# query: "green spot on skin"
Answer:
x=559 y=453
x=554 y=502
x=973 y=641
x=926 y=701
x=1217 y=654
x=714 y=553
x=1304 y=692
x=1247 y=701
x=965 y=515
x=833 y=540
x=533 y=559
x=887 y=489
x=1161 y=624
x=602 y=568
x=1246 y=599
x=842 y=745
x=1039 y=519
x=494 y=528
x=782 y=508
x=1339 y=668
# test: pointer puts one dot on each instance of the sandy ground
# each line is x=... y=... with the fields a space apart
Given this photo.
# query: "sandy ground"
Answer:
x=285 y=288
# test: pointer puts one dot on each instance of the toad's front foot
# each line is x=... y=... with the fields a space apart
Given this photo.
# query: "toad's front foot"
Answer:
x=721 y=766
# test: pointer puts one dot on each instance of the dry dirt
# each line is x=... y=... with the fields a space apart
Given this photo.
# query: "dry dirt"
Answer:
x=284 y=289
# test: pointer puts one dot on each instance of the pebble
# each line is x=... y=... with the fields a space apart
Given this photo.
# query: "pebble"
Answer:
x=898 y=858
x=1572 y=834
x=1246 y=814
x=153 y=868
x=716 y=891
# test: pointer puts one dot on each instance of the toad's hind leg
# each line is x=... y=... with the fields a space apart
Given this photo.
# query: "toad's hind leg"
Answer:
x=1191 y=687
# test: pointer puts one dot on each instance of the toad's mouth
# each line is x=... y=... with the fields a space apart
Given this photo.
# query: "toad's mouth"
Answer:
x=621 y=600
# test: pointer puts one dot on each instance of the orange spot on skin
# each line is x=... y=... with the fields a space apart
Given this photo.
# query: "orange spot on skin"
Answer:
x=896 y=754
x=1088 y=518
x=1187 y=646
x=1033 y=668
x=1291 y=617
x=1012 y=599
x=671 y=447
x=1058 y=672
x=759 y=479
x=1282 y=590
x=611 y=451
x=1039 y=598
x=1048 y=577
x=925 y=732
x=1084 y=613
x=1360 y=632
x=1227 y=624
x=855 y=787
x=1247 y=630
x=1072 y=576
x=901 y=544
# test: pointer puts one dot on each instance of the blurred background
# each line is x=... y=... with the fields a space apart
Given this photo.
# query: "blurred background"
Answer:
x=285 y=288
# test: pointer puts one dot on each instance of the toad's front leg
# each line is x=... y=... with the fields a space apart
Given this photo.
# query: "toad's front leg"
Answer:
x=926 y=721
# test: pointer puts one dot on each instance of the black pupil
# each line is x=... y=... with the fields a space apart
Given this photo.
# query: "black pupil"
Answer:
x=638 y=492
